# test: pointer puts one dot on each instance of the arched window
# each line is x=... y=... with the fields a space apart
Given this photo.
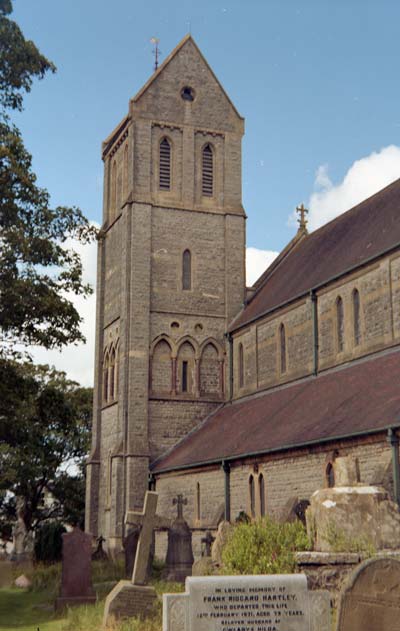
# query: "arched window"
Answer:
x=356 y=317
x=126 y=170
x=330 y=476
x=111 y=378
x=185 y=369
x=116 y=377
x=113 y=200
x=207 y=185
x=161 y=368
x=340 y=324
x=106 y=365
x=282 y=344
x=108 y=479
x=252 y=497
x=241 y=366
x=165 y=165
x=187 y=270
x=198 y=499
x=261 y=490
x=210 y=371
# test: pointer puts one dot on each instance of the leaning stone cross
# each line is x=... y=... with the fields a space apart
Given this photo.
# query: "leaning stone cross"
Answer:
x=180 y=502
x=133 y=598
x=148 y=520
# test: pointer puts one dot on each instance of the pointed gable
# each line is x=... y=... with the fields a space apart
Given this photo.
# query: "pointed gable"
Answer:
x=161 y=97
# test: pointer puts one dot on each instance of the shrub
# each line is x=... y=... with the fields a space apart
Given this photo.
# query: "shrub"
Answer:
x=48 y=542
x=264 y=547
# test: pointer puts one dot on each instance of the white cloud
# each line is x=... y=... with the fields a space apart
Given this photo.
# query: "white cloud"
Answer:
x=364 y=178
x=77 y=361
x=257 y=262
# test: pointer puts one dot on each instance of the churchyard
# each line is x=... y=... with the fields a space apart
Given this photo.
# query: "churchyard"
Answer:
x=255 y=575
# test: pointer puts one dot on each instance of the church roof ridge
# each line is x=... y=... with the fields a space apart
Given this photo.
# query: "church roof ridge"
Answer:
x=188 y=37
x=366 y=231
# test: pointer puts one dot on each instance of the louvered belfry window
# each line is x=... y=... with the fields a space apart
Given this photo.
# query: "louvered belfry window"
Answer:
x=165 y=165
x=208 y=172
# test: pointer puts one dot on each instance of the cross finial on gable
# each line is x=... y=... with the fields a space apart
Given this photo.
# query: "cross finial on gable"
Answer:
x=302 y=211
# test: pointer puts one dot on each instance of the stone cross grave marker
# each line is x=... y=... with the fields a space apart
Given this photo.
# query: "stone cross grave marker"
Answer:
x=255 y=603
x=180 y=502
x=148 y=520
x=370 y=600
x=134 y=598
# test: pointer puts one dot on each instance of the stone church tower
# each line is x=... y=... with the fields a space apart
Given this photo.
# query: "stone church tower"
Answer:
x=171 y=276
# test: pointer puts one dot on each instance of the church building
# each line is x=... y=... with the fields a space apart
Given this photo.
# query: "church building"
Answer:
x=239 y=398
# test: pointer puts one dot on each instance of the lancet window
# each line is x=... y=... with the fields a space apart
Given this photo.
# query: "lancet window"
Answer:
x=165 y=165
x=208 y=171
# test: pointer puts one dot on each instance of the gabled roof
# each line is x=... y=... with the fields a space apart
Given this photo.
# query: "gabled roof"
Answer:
x=369 y=229
x=353 y=400
x=177 y=49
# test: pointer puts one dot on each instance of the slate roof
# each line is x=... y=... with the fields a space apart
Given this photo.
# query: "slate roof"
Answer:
x=362 y=233
x=355 y=399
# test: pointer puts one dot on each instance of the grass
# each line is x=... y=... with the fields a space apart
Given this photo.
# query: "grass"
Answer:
x=27 y=611
x=32 y=610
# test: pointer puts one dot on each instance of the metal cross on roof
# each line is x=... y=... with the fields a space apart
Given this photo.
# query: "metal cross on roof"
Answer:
x=302 y=211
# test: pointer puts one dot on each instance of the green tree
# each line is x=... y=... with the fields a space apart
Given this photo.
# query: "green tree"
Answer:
x=46 y=425
x=38 y=272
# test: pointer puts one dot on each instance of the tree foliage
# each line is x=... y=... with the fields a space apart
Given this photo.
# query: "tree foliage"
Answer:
x=44 y=424
x=38 y=271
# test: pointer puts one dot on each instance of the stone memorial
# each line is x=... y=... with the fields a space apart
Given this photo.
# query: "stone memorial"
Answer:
x=179 y=559
x=22 y=540
x=99 y=554
x=135 y=598
x=370 y=600
x=76 y=573
x=130 y=546
x=352 y=511
x=253 y=603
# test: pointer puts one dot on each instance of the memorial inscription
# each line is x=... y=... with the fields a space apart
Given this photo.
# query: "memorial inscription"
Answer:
x=247 y=603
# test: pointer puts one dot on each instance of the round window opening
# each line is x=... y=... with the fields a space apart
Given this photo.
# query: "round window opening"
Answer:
x=187 y=93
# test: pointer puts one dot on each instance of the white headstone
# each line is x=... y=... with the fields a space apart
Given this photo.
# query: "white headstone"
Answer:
x=254 y=603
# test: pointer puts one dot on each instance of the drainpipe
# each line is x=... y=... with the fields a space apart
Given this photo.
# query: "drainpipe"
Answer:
x=393 y=439
x=314 y=303
x=227 y=471
x=230 y=387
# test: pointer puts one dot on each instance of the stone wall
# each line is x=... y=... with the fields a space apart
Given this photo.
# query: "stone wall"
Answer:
x=378 y=287
x=296 y=473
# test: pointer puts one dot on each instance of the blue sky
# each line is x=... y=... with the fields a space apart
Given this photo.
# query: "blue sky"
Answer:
x=316 y=80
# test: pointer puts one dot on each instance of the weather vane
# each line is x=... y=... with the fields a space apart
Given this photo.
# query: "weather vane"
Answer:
x=303 y=211
x=156 y=51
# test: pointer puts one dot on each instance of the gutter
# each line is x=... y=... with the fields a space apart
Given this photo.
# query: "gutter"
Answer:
x=222 y=461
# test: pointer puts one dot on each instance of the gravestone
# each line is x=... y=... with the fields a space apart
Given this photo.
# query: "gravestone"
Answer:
x=207 y=541
x=134 y=598
x=223 y=533
x=99 y=554
x=22 y=539
x=370 y=600
x=76 y=573
x=179 y=559
x=130 y=546
x=253 y=603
